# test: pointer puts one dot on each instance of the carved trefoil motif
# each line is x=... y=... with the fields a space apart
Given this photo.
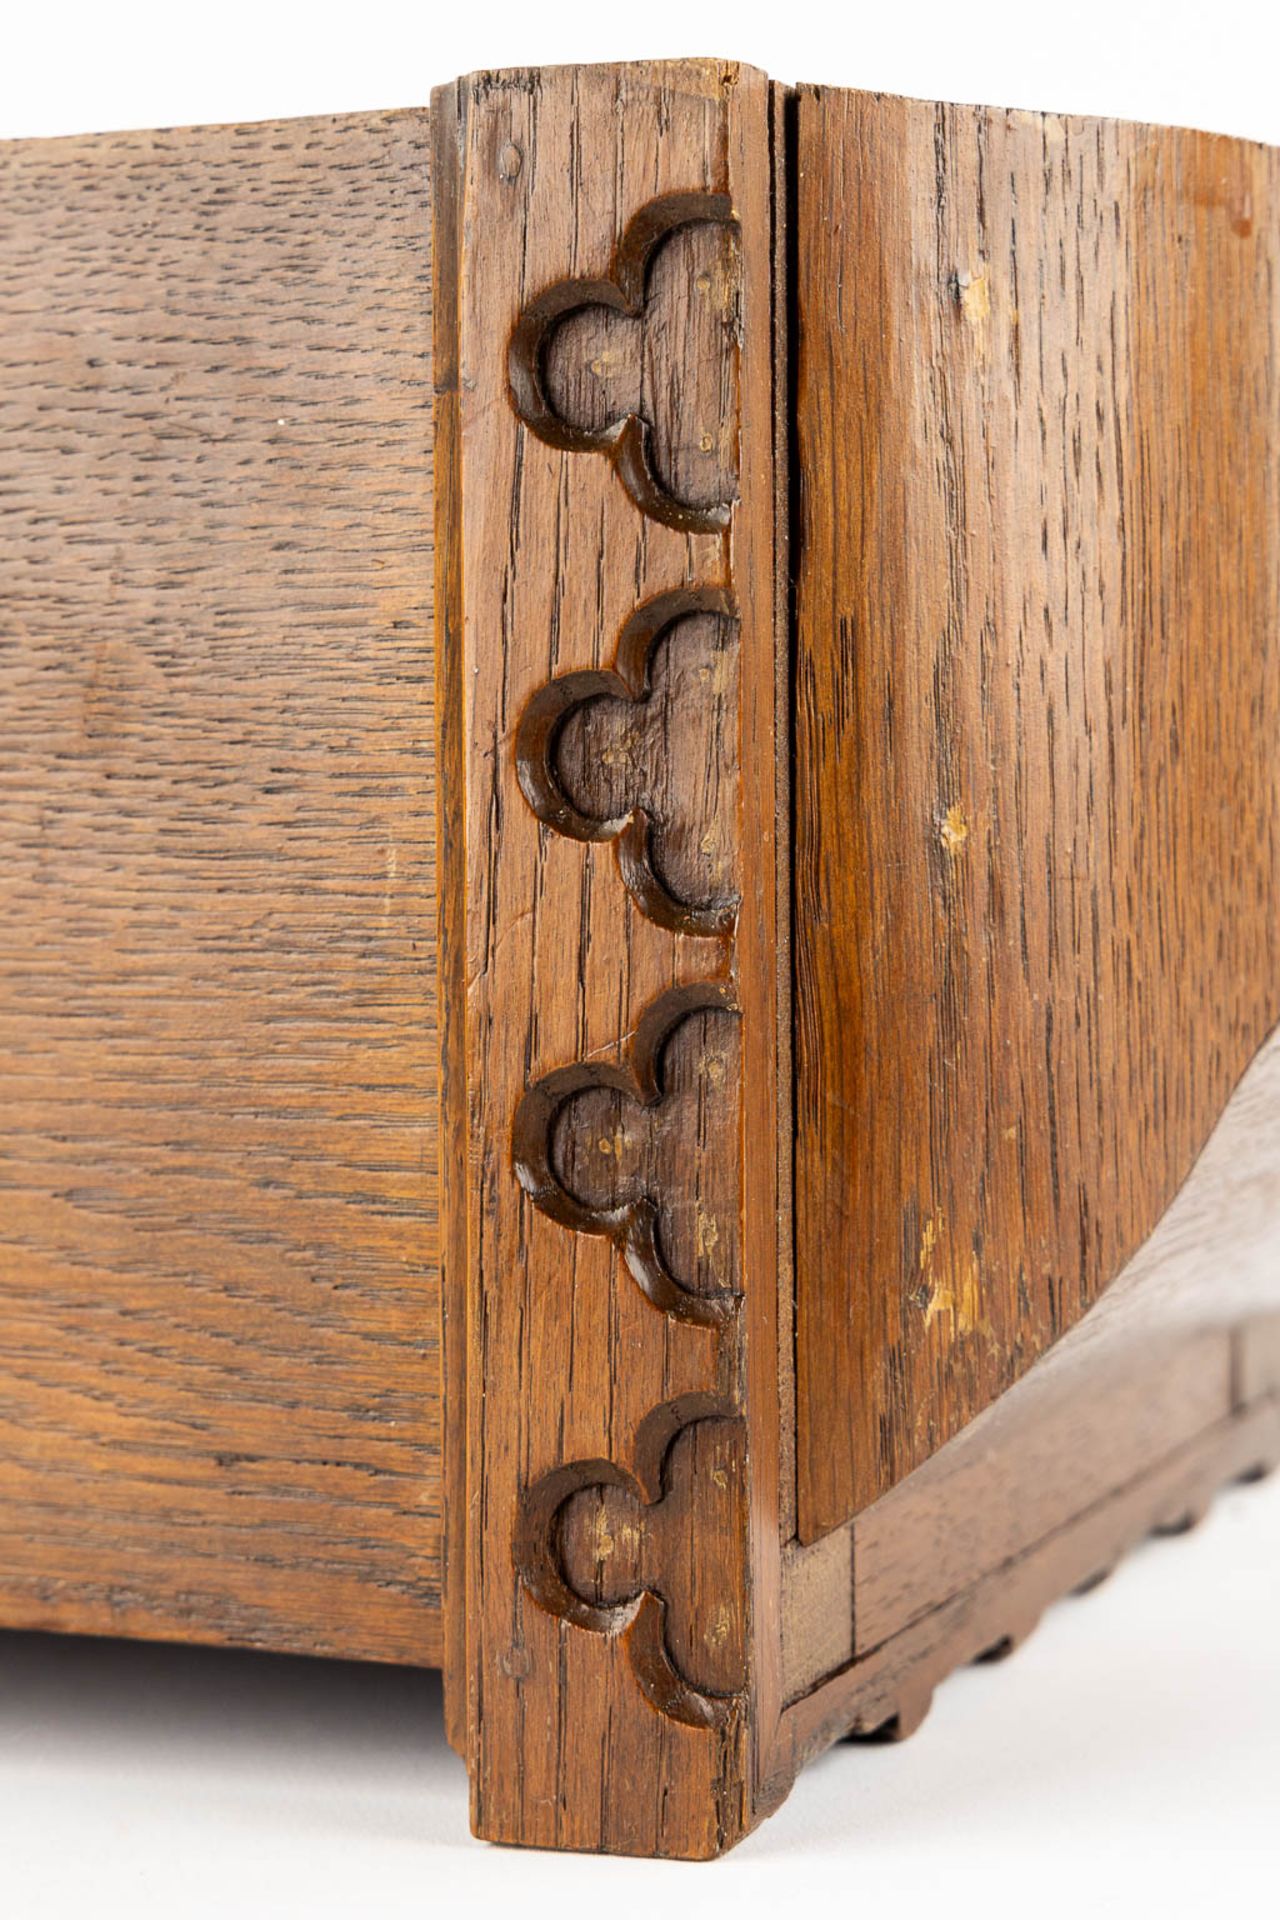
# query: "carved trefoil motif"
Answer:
x=614 y=1552
x=597 y=758
x=640 y=364
x=645 y=1150
x=646 y=1153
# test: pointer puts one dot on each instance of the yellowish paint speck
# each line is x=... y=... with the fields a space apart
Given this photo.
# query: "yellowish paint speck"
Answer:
x=929 y=1238
x=954 y=831
x=962 y=1305
x=719 y=1627
x=975 y=297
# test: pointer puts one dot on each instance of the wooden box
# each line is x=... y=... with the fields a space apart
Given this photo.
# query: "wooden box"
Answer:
x=642 y=863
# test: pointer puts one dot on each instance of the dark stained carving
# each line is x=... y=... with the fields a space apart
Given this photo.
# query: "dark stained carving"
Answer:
x=645 y=754
x=641 y=364
x=618 y=1553
x=648 y=1153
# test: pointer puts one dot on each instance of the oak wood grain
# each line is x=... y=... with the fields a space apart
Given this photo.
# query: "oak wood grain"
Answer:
x=1045 y=1453
x=219 y=1358
x=620 y=1043
x=1183 y=1343
x=1027 y=367
x=1037 y=711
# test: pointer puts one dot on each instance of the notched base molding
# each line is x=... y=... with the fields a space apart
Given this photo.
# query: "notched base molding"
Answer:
x=886 y=1690
x=888 y=1694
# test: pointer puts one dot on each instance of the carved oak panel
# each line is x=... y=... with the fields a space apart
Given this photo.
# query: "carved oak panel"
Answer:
x=613 y=620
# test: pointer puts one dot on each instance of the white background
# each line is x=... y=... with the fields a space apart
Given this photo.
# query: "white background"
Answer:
x=1127 y=1761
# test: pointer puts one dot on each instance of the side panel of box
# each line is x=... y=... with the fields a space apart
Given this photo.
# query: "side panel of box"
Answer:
x=219 y=1366
x=1037 y=716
